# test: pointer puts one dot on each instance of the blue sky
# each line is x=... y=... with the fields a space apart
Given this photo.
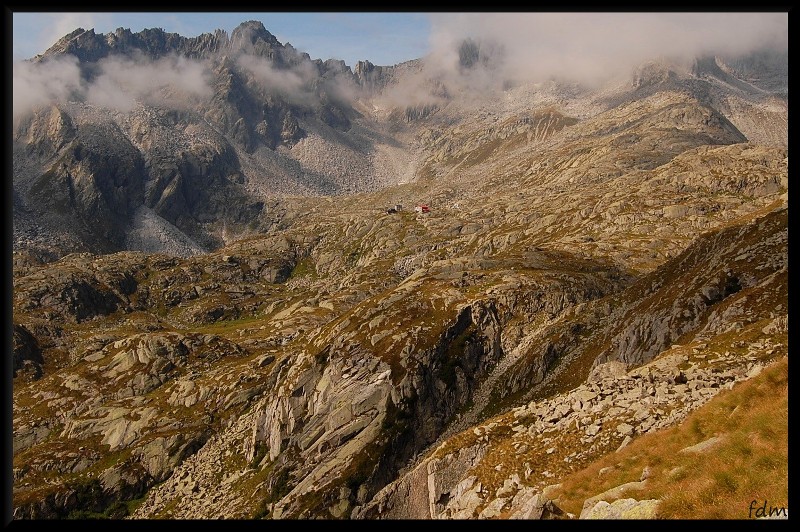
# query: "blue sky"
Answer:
x=382 y=38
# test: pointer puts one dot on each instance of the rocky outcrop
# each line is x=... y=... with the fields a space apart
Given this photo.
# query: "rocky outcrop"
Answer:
x=47 y=131
x=146 y=438
x=98 y=181
x=373 y=77
x=444 y=480
x=325 y=431
x=715 y=273
x=604 y=414
x=76 y=293
x=623 y=509
x=27 y=355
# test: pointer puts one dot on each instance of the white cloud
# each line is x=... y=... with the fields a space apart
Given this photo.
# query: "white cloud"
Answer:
x=592 y=46
x=288 y=83
x=170 y=81
x=38 y=84
x=525 y=46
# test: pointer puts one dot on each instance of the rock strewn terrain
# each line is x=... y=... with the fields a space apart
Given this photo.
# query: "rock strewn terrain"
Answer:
x=340 y=399
x=534 y=445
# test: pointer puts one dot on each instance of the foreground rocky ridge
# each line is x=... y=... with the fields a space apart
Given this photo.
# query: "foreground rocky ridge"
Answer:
x=592 y=269
x=503 y=468
x=479 y=473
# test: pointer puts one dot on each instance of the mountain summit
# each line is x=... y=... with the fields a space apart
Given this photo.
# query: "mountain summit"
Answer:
x=249 y=37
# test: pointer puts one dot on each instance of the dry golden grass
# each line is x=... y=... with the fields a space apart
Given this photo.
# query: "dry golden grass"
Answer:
x=750 y=464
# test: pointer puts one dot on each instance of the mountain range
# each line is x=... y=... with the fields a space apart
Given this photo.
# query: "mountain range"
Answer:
x=225 y=303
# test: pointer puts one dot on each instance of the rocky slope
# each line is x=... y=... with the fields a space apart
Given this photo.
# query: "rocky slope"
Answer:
x=292 y=420
x=595 y=266
x=243 y=119
x=479 y=472
x=246 y=119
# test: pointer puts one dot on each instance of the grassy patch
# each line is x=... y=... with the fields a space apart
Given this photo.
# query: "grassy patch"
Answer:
x=281 y=485
x=750 y=464
x=272 y=483
x=260 y=453
x=304 y=268
x=227 y=327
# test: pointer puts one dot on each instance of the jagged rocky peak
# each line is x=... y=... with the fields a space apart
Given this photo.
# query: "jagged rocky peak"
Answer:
x=364 y=68
x=654 y=73
x=474 y=53
x=249 y=37
x=61 y=45
x=252 y=31
x=155 y=42
x=767 y=69
x=336 y=65
x=706 y=66
x=253 y=38
x=371 y=76
x=86 y=45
